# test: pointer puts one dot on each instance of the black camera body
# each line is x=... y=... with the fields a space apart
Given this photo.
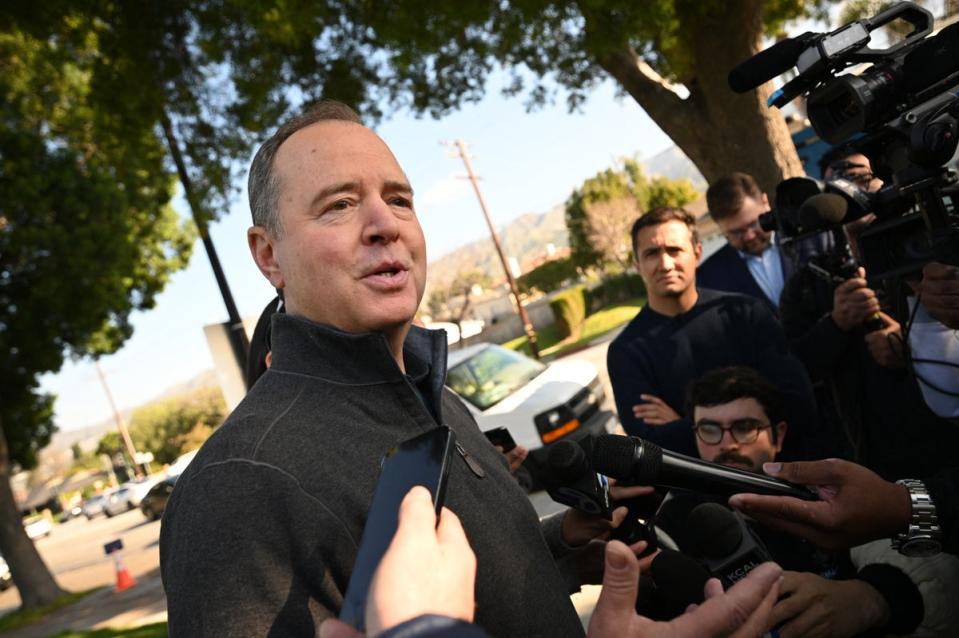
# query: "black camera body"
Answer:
x=904 y=114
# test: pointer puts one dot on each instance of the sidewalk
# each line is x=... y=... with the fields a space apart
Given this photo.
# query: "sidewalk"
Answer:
x=141 y=605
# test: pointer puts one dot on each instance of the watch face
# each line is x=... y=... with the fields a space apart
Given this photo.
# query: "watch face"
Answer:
x=920 y=547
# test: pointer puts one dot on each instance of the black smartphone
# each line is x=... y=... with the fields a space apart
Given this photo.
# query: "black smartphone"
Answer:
x=502 y=438
x=423 y=460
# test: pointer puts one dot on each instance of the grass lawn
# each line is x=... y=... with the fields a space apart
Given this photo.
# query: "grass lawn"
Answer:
x=156 y=630
x=597 y=324
x=20 y=618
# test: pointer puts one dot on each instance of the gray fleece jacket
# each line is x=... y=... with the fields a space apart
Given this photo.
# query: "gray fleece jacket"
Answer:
x=262 y=529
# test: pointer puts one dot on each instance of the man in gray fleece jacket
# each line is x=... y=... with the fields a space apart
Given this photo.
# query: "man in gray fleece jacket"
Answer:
x=262 y=530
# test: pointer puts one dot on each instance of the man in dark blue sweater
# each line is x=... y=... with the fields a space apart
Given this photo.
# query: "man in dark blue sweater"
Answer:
x=684 y=332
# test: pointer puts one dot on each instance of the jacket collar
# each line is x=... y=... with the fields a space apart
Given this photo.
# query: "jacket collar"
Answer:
x=303 y=347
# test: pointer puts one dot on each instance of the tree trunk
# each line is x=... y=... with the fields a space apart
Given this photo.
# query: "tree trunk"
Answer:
x=30 y=574
x=720 y=131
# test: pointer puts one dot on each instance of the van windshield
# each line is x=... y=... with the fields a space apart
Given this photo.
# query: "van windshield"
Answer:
x=491 y=375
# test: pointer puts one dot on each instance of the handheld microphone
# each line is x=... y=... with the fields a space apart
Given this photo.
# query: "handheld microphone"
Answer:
x=571 y=481
x=768 y=64
x=630 y=458
x=726 y=544
x=680 y=582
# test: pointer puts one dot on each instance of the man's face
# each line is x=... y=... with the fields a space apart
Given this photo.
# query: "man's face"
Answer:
x=739 y=414
x=351 y=253
x=666 y=258
x=742 y=229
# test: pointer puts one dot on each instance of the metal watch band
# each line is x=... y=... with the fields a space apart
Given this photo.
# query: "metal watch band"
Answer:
x=924 y=523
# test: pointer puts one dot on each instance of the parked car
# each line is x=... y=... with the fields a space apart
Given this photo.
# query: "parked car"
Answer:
x=140 y=487
x=117 y=501
x=176 y=468
x=38 y=526
x=538 y=403
x=155 y=501
x=6 y=579
x=94 y=506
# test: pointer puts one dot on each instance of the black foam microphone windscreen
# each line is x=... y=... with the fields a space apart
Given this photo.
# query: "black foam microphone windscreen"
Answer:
x=823 y=208
x=767 y=64
x=725 y=543
x=680 y=581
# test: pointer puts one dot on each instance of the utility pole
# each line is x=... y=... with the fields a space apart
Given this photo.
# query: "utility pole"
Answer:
x=127 y=441
x=239 y=342
x=520 y=310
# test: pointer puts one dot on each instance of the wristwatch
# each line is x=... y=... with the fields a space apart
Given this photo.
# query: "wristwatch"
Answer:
x=923 y=537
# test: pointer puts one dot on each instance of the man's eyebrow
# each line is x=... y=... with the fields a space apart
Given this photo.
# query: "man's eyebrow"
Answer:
x=392 y=185
x=332 y=189
x=339 y=187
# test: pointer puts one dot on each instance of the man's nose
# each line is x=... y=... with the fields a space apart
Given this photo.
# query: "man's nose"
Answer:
x=666 y=262
x=727 y=442
x=381 y=224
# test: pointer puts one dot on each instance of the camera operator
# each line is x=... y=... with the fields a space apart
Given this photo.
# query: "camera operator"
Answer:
x=849 y=341
x=934 y=338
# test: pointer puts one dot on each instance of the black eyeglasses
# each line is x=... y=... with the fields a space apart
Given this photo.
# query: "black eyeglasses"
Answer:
x=742 y=431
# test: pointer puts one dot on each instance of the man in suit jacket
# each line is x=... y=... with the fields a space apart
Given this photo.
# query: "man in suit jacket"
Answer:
x=751 y=262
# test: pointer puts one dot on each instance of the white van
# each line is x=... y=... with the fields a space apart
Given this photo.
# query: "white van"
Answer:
x=538 y=403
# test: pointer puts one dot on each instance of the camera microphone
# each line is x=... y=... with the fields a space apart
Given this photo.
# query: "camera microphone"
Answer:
x=827 y=208
x=571 y=481
x=725 y=543
x=643 y=463
x=768 y=64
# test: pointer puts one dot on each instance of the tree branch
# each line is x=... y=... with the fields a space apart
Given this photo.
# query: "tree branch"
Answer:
x=656 y=95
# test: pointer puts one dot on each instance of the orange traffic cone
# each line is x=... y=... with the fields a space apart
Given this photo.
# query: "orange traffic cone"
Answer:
x=125 y=579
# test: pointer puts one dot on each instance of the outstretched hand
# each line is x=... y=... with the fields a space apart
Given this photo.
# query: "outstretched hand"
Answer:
x=855 y=505
x=741 y=612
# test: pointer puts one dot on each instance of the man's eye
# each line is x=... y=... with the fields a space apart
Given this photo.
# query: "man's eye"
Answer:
x=405 y=202
x=340 y=204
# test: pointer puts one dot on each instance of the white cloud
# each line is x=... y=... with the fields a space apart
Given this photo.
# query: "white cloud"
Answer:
x=452 y=189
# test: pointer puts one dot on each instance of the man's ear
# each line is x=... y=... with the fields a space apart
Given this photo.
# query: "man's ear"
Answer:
x=781 y=428
x=262 y=248
x=698 y=251
x=766 y=201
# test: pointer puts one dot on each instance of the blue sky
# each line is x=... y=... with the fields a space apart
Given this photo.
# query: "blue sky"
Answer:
x=528 y=162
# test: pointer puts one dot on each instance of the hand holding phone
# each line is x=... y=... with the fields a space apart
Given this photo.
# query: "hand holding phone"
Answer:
x=423 y=460
x=425 y=570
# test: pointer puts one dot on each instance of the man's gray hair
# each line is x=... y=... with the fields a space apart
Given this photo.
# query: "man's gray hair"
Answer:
x=264 y=184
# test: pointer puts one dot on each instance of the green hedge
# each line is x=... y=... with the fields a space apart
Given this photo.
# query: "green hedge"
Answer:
x=569 y=308
x=614 y=290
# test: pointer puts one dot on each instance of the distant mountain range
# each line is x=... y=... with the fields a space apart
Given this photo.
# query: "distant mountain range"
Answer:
x=527 y=237
x=89 y=436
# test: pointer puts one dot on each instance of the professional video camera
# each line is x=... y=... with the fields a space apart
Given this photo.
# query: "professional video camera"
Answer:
x=904 y=112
